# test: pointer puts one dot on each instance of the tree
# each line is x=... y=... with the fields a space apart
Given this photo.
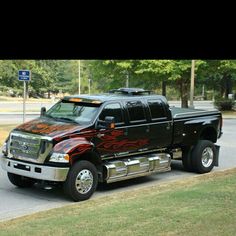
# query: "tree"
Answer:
x=176 y=72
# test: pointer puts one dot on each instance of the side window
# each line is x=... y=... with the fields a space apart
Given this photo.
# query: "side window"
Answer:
x=157 y=110
x=136 y=111
x=114 y=110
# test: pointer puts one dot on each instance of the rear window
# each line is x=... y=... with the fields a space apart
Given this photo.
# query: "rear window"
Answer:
x=136 y=111
x=156 y=109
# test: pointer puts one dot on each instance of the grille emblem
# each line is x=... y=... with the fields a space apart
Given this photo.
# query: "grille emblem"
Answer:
x=25 y=147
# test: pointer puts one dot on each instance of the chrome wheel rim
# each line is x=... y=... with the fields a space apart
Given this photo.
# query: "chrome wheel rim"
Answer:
x=84 y=181
x=207 y=157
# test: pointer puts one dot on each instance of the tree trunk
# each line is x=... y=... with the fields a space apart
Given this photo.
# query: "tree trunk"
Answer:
x=184 y=93
x=222 y=87
x=228 y=86
x=49 y=94
x=164 y=88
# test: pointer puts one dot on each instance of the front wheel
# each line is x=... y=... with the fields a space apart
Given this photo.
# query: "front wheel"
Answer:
x=20 y=181
x=81 y=181
x=203 y=156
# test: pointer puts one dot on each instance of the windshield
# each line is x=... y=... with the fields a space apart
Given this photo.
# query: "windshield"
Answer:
x=82 y=113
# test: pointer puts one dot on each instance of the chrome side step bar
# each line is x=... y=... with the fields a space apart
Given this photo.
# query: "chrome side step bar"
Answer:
x=138 y=166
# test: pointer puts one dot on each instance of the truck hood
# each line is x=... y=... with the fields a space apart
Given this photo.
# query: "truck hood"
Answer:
x=50 y=127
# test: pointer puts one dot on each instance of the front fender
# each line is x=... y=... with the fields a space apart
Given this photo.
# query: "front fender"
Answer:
x=73 y=146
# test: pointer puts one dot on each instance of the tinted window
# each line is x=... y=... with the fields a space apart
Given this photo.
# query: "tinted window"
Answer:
x=114 y=110
x=156 y=108
x=136 y=112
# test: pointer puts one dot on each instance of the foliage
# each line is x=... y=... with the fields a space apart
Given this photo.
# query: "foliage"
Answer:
x=224 y=104
x=161 y=76
x=46 y=76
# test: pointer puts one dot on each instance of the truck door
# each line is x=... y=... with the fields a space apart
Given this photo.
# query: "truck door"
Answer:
x=111 y=142
x=161 y=125
x=137 y=129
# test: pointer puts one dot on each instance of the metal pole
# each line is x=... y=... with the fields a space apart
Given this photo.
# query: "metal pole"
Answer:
x=89 y=86
x=127 y=80
x=203 y=91
x=192 y=84
x=24 y=97
x=79 y=77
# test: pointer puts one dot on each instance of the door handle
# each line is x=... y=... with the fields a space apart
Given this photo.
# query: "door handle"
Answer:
x=99 y=135
x=168 y=126
x=126 y=132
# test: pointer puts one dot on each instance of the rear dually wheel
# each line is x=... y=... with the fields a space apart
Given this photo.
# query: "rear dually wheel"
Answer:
x=203 y=156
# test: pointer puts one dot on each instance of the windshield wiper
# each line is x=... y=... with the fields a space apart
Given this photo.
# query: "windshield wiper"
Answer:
x=47 y=115
x=65 y=118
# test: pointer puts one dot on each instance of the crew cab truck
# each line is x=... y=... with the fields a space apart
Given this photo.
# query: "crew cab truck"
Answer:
x=126 y=133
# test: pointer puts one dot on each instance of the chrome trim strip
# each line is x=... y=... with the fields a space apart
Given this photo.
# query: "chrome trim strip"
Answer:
x=210 y=112
x=134 y=153
x=138 y=175
x=32 y=136
x=47 y=172
x=144 y=124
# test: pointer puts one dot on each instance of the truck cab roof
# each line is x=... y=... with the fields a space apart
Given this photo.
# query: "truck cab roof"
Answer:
x=114 y=95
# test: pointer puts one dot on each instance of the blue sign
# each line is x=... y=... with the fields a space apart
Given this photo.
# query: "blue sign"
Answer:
x=24 y=75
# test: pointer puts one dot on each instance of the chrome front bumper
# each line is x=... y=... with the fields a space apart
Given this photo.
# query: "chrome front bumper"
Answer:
x=33 y=170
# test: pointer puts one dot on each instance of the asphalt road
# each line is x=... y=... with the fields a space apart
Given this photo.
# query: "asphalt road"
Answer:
x=17 y=202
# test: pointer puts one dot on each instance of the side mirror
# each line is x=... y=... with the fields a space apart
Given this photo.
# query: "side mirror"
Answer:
x=108 y=123
x=43 y=111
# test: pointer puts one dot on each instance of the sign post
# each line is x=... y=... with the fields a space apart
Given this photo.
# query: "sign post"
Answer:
x=24 y=75
x=192 y=84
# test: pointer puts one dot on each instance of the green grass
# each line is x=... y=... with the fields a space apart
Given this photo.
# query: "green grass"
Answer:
x=4 y=132
x=202 y=205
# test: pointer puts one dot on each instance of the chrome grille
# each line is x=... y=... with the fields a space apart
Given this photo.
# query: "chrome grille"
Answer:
x=29 y=147
x=23 y=146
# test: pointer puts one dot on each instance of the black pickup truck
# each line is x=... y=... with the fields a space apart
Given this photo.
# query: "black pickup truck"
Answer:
x=126 y=133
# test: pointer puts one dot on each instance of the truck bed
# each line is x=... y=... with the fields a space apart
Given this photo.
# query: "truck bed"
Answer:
x=178 y=113
x=187 y=121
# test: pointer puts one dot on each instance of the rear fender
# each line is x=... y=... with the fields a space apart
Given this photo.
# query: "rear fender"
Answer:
x=194 y=128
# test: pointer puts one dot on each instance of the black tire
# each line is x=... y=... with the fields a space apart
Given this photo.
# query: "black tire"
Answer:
x=203 y=156
x=187 y=159
x=81 y=191
x=20 y=181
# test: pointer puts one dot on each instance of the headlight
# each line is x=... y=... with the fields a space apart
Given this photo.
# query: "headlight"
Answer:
x=4 y=148
x=59 y=157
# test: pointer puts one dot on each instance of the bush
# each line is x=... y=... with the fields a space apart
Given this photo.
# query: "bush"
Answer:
x=224 y=104
x=3 y=90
